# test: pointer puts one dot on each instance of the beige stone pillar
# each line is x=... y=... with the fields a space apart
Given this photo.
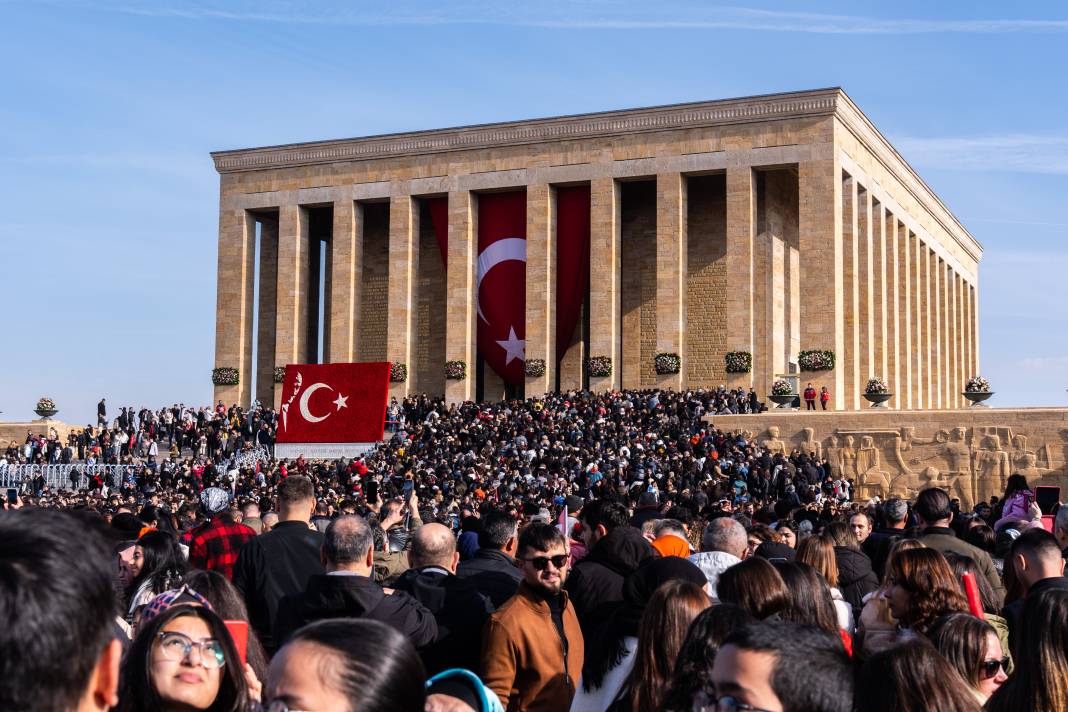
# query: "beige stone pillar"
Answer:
x=904 y=316
x=268 y=311
x=291 y=330
x=849 y=359
x=962 y=341
x=954 y=342
x=892 y=335
x=346 y=267
x=541 y=286
x=741 y=230
x=671 y=273
x=460 y=293
x=820 y=240
x=234 y=303
x=402 y=293
x=606 y=251
x=866 y=284
x=920 y=364
x=938 y=316
x=976 y=364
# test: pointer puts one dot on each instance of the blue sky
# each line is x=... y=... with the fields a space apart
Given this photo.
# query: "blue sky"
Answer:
x=108 y=109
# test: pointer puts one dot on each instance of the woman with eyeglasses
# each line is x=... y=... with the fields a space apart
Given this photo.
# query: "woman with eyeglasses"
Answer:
x=972 y=647
x=183 y=660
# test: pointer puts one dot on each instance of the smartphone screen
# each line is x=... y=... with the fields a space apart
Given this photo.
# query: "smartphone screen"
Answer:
x=1047 y=498
x=12 y=495
x=239 y=632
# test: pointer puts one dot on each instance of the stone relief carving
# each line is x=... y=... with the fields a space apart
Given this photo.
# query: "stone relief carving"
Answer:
x=972 y=463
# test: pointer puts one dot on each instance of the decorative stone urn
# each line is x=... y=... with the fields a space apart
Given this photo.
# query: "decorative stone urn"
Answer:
x=783 y=401
x=878 y=400
x=977 y=398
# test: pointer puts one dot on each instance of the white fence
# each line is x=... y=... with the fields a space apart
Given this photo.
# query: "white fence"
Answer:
x=64 y=477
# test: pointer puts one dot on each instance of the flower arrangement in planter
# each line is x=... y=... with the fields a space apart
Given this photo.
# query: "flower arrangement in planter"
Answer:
x=876 y=385
x=739 y=362
x=455 y=370
x=782 y=387
x=398 y=372
x=534 y=367
x=815 y=360
x=46 y=407
x=599 y=366
x=279 y=374
x=667 y=363
x=977 y=384
x=224 y=376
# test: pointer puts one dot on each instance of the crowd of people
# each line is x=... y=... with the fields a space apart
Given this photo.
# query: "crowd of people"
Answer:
x=575 y=552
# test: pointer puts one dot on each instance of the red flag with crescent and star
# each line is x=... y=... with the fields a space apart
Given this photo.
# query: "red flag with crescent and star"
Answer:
x=502 y=283
x=334 y=403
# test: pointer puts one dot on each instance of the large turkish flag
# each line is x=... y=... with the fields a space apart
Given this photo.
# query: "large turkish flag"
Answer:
x=334 y=403
x=502 y=283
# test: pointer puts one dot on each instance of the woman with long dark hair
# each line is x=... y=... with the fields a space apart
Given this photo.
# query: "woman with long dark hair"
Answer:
x=183 y=660
x=1016 y=502
x=922 y=589
x=157 y=566
x=810 y=600
x=818 y=552
x=972 y=647
x=913 y=677
x=1038 y=682
x=663 y=629
x=693 y=667
x=756 y=586
x=228 y=603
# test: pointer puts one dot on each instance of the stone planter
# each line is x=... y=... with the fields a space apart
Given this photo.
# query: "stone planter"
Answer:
x=783 y=401
x=977 y=398
x=46 y=414
x=878 y=400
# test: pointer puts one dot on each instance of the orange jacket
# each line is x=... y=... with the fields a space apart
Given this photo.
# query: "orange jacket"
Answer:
x=523 y=656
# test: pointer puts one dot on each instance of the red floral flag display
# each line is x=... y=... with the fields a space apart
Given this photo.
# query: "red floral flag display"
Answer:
x=502 y=283
x=334 y=403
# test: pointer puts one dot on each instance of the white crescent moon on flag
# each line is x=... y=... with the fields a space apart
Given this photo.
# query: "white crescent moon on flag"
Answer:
x=510 y=248
x=304 y=403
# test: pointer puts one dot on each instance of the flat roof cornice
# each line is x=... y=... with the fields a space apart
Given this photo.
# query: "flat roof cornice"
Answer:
x=818 y=102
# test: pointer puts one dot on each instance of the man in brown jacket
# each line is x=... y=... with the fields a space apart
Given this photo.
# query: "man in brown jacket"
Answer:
x=532 y=647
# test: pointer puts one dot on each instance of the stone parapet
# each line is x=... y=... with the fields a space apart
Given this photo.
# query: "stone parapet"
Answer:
x=969 y=452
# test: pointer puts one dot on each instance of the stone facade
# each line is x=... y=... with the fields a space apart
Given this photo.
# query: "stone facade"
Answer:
x=970 y=452
x=770 y=224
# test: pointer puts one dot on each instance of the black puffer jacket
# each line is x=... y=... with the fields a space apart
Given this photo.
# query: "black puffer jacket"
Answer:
x=856 y=579
x=595 y=585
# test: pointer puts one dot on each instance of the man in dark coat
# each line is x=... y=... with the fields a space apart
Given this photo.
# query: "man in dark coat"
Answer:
x=459 y=609
x=280 y=562
x=493 y=569
x=348 y=590
x=1036 y=559
x=616 y=549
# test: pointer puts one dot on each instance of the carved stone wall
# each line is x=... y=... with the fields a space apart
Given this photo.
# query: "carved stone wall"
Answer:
x=970 y=453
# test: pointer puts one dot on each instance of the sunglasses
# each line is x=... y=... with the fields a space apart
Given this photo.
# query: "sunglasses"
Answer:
x=989 y=668
x=541 y=563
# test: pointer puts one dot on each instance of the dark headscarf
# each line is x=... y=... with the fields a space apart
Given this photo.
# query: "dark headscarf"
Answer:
x=607 y=649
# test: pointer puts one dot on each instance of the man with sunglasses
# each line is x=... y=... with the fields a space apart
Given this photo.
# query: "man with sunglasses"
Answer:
x=532 y=647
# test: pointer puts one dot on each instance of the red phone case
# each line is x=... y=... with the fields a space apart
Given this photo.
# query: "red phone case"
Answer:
x=239 y=633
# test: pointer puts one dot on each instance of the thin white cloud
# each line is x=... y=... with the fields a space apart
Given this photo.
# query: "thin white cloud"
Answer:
x=1023 y=153
x=1044 y=362
x=568 y=14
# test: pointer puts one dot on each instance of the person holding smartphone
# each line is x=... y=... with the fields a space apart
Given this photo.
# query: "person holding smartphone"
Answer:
x=1016 y=504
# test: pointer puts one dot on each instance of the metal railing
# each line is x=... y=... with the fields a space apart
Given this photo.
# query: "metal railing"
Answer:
x=62 y=477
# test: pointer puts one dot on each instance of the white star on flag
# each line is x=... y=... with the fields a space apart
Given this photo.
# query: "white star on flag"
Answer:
x=513 y=347
x=341 y=402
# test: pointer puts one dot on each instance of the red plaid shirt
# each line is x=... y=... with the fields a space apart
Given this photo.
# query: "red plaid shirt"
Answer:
x=215 y=545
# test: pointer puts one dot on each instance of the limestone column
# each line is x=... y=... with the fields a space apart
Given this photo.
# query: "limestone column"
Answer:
x=892 y=336
x=268 y=311
x=541 y=287
x=920 y=365
x=866 y=283
x=849 y=358
x=954 y=287
x=820 y=240
x=606 y=251
x=671 y=273
x=938 y=316
x=291 y=330
x=401 y=295
x=904 y=315
x=741 y=229
x=234 y=303
x=460 y=294
x=962 y=340
x=346 y=267
x=976 y=365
